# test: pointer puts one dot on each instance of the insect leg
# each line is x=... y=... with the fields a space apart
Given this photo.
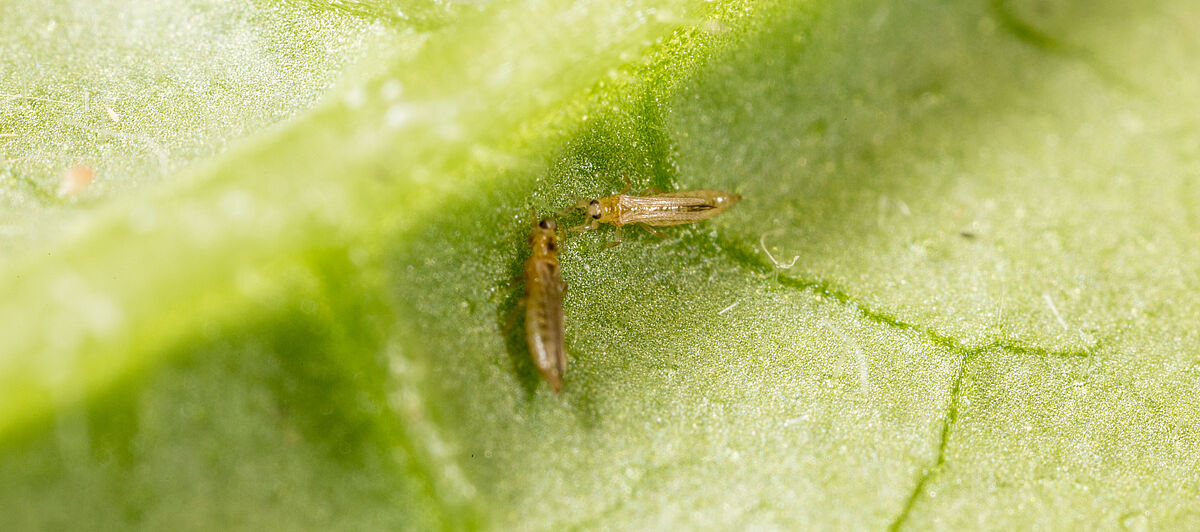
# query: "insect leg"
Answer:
x=585 y=227
x=511 y=315
x=616 y=242
x=655 y=232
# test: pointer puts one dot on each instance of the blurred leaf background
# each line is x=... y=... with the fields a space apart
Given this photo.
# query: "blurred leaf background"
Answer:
x=287 y=300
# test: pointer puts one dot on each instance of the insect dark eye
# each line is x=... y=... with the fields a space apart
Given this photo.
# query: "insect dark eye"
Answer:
x=545 y=224
x=594 y=209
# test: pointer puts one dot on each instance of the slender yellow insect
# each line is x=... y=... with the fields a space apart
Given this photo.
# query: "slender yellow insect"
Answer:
x=544 y=291
x=667 y=208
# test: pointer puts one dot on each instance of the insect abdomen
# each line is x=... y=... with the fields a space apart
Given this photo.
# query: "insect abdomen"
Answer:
x=544 y=320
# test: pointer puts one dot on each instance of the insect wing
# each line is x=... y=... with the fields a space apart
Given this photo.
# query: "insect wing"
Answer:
x=672 y=208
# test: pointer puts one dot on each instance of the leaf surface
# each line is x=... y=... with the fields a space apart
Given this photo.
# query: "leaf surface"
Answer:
x=287 y=299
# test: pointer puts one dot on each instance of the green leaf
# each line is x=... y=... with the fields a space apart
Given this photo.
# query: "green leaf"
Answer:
x=288 y=299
